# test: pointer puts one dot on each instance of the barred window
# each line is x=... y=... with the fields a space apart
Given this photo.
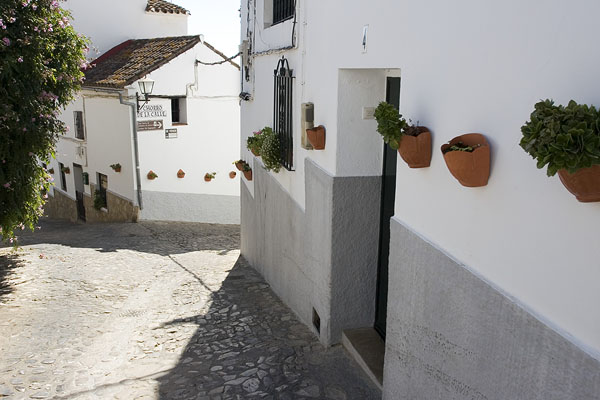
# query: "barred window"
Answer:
x=102 y=187
x=79 y=128
x=282 y=112
x=282 y=10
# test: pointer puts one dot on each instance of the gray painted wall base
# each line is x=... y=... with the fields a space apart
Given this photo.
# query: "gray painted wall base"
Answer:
x=324 y=257
x=190 y=207
x=452 y=336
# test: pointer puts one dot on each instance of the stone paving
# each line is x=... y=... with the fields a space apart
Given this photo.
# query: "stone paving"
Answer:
x=154 y=311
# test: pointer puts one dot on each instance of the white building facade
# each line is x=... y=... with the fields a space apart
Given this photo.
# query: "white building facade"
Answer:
x=188 y=127
x=492 y=291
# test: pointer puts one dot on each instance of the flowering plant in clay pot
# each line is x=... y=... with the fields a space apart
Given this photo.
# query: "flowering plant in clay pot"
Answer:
x=209 y=176
x=270 y=150
x=468 y=159
x=254 y=142
x=413 y=142
x=567 y=140
x=116 y=167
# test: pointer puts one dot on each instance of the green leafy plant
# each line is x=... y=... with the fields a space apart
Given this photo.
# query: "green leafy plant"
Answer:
x=246 y=167
x=460 y=146
x=42 y=58
x=99 y=200
x=151 y=175
x=270 y=150
x=254 y=142
x=66 y=170
x=390 y=124
x=563 y=137
x=116 y=167
x=209 y=175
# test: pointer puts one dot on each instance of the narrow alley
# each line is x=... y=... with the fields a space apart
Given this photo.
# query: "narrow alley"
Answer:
x=154 y=311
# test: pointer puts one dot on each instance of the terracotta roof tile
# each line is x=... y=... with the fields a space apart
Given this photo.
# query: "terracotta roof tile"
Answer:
x=165 y=7
x=133 y=59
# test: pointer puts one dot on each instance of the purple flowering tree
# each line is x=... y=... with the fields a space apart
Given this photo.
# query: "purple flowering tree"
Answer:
x=41 y=58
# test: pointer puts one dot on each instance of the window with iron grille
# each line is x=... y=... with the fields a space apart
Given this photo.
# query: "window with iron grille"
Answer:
x=282 y=112
x=79 y=129
x=102 y=187
x=282 y=10
x=63 y=177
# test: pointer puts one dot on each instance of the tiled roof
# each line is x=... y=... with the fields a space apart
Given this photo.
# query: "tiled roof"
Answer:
x=165 y=7
x=133 y=59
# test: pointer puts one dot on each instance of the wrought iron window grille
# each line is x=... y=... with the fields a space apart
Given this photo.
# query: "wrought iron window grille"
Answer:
x=283 y=10
x=282 y=112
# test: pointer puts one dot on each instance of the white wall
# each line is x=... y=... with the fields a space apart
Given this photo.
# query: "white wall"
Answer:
x=110 y=22
x=467 y=66
x=210 y=140
x=108 y=140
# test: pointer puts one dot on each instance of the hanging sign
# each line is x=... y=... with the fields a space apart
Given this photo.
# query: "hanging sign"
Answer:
x=152 y=125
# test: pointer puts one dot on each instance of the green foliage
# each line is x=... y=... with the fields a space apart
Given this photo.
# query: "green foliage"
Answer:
x=563 y=137
x=254 y=143
x=116 y=167
x=99 y=200
x=390 y=124
x=209 y=175
x=246 y=167
x=460 y=146
x=41 y=58
x=269 y=151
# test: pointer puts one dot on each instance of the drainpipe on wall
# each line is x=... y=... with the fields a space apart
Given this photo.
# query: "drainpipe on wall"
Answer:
x=135 y=139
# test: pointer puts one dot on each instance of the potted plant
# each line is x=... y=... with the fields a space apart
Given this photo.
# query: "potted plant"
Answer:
x=468 y=159
x=151 y=175
x=316 y=137
x=66 y=170
x=254 y=142
x=413 y=142
x=116 y=167
x=180 y=174
x=239 y=164
x=51 y=170
x=209 y=177
x=99 y=200
x=247 y=171
x=232 y=174
x=270 y=150
x=567 y=139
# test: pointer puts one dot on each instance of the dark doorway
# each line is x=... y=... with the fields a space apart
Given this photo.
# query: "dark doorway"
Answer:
x=388 y=194
x=79 y=188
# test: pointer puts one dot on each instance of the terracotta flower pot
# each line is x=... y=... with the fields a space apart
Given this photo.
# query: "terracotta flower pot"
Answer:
x=117 y=169
x=248 y=175
x=207 y=178
x=416 y=150
x=239 y=165
x=151 y=175
x=232 y=174
x=180 y=174
x=316 y=137
x=255 y=153
x=584 y=183
x=471 y=169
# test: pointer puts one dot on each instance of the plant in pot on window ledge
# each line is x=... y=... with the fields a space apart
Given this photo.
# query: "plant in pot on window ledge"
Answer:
x=254 y=142
x=116 y=167
x=567 y=139
x=413 y=142
x=270 y=150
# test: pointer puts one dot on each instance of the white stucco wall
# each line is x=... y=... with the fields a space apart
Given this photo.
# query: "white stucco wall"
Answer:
x=110 y=22
x=467 y=66
x=108 y=140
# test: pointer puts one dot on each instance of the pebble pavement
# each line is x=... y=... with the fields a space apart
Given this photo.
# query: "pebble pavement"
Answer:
x=154 y=311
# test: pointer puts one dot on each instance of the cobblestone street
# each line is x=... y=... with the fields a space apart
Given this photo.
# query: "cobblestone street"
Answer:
x=154 y=311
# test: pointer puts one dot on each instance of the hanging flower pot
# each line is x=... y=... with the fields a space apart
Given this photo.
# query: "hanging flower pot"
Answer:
x=180 y=174
x=209 y=177
x=247 y=172
x=239 y=164
x=151 y=175
x=415 y=147
x=232 y=174
x=51 y=170
x=116 y=167
x=468 y=159
x=316 y=137
x=584 y=183
x=66 y=170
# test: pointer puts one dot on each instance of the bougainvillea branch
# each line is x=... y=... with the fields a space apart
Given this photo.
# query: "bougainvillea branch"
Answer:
x=41 y=63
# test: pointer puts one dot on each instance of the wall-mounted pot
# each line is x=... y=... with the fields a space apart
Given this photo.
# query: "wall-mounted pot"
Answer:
x=316 y=137
x=416 y=150
x=248 y=175
x=583 y=183
x=470 y=168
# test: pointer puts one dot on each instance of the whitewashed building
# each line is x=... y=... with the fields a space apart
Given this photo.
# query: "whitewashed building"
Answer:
x=475 y=293
x=188 y=127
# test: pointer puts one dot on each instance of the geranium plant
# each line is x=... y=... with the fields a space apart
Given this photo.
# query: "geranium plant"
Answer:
x=254 y=142
x=42 y=58
x=563 y=137
x=390 y=124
